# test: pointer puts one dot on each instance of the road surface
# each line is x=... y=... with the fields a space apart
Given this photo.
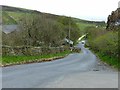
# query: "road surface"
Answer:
x=77 y=70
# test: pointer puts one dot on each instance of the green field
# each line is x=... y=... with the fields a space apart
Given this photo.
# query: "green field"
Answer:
x=17 y=15
x=7 y=19
x=12 y=17
x=83 y=25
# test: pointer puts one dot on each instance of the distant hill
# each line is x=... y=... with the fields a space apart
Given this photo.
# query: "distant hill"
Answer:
x=12 y=15
x=91 y=22
x=83 y=24
x=16 y=13
x=14 y=9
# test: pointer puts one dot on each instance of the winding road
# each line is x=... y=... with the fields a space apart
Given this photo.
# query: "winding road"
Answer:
x=77 y=70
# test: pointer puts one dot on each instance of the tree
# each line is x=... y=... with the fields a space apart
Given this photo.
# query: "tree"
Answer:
x=70 y=24
x=37 y=28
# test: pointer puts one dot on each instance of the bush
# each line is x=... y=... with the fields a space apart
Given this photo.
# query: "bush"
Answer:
x=107 y=43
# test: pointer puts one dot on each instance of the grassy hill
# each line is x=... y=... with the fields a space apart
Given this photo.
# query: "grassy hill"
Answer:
x=7 y=19
x=17 y=13
x=83 y=24
x=13 y=14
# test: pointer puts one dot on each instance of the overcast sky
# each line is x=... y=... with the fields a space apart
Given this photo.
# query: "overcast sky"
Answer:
x=96 y=10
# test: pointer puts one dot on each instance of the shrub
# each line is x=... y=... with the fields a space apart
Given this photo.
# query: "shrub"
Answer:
x=107 y=43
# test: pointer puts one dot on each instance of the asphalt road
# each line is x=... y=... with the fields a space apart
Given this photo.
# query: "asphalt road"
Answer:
x=78 y=70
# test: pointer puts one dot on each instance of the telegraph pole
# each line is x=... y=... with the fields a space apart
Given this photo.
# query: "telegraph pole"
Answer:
x=69 y=29
x=69 y=32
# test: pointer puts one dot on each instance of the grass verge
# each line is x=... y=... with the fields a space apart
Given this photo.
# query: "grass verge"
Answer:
x=110 y=60
x=15 y=60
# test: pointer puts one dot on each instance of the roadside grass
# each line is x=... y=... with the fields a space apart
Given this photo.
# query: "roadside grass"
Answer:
x=110 y=60
x=19 y=59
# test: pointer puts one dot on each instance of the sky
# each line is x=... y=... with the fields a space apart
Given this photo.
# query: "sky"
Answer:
x=95 y=10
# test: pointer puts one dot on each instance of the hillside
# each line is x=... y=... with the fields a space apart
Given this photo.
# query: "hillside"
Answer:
x=18 y=13
x=11 y=15
x=7 y=19
x=85 y=24
x=36 y=27
x=15 y=9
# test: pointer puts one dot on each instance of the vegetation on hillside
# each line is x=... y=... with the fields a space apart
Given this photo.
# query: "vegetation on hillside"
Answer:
x=84 y=25
x=38 y=29
x=104 y=42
